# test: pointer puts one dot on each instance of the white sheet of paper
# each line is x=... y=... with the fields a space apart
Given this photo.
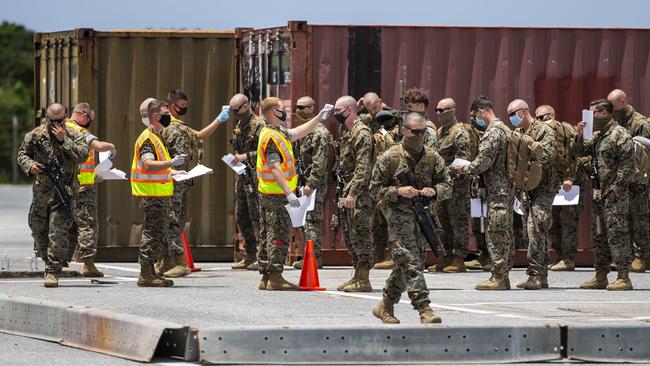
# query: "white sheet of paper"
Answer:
x=104 y=155
x=460 y=162
x=298 y=215
x=570 y=198
x=516 y=206
x=197 y=171
x=239 y=168
x=475 y=204
x=105 y=164
x=112 y=174
x=588 y=131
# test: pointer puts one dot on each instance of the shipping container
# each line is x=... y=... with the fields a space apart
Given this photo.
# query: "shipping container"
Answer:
x=115 y=71
x=566 y=68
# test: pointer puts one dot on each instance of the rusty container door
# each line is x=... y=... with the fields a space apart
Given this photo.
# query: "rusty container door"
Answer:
x=115 y=72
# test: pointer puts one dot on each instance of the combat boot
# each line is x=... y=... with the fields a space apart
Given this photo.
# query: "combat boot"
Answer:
x=181 y=269
x=598 y=282
x=385 y=264
x=165 y=281
x=427 y=316
x=264 y=281
x=444 y=262
x=474 y=265
x=298 y=264
x=622 y=283
x=534 y=282
x=385 y=312
x=244 y=263
x=495 y=282
x=349 y=282
x=90 y=270
x=278 y=283
x=361 y=284
x=255 y=266
x=166 y=263
x=638 y=265
x=564 y=265
x=147 y=278
x=51 y=280
x=455 y=266
x=544 y=281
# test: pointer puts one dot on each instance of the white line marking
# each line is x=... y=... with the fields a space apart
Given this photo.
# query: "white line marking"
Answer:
x=550 y=302
x=125 y=269
x=41 y=281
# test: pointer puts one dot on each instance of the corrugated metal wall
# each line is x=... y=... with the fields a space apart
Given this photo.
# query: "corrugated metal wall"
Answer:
x=115 y=71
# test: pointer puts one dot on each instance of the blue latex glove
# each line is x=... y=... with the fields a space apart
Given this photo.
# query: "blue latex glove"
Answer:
x=224 y=116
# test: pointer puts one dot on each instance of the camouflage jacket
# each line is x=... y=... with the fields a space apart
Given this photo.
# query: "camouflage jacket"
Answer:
x=491 y=160
x=614 y=156
x=355 y=157
x=429 y=171
x=431 y=137
x=544 y=135
x=453 y=143
x=314 y=152
x=635 y=123
x=70 y=153
x=245 y=136
x=178 y=138
x=383 y=136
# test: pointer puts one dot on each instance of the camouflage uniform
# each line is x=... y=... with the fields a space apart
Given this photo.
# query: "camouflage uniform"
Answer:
x=431 y=137
x=537 y=204
x=155 y=227
x=491 y=163
x=275 y=223
x=408 y=243
x=454 y=143
x=176 y=139
x=85 y=234
x=314 y=149
x=615 y=163
x=637 y=125
x=48 y=221
x=244 y=140
x=477 y=182
x=564 y=229
x=355 y=158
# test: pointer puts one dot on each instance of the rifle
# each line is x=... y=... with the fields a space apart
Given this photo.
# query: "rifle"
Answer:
x=54 y=172
x=402 y=111
x=247 y=175
x=340 y=218
x=596 y=185
x=422 y=208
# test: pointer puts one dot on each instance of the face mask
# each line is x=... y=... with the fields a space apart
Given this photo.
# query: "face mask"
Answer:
x=340 y=118
x=145 y=121
x=282 y=117
x=304 y=115
x=600 y=123
x=619 y=115
x=242 y=115
x=165 y=120
x=447 y=117
x=480 y=122
x=515 y=120
x=181 y=111
x=413 y=144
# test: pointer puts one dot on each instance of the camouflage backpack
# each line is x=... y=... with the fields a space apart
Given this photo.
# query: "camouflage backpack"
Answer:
x=565 y=161
x=641 y=159
x=474 y=138
x=524 y=168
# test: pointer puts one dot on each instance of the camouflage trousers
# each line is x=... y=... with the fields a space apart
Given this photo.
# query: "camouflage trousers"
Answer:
x=379 y=231
x=453 y=214
x=609 y=231
x=639 y=220
x=314 y=218
x=51 y=227
x=177 y=214
x=564 y=230
x=537 y=216
x=155 y=229
x=481 y=245
x=359 y=222
x=275 y=234
x=247 y=213
x=499 y=234
x=408 y=246
x=85 y=233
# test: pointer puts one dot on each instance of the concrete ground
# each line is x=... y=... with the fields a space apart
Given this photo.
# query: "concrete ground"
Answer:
x=219 y=296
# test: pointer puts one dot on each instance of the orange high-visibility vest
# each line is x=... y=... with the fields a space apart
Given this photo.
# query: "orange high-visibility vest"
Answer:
x=266 y=182
x=145 y=183
x=86 y=174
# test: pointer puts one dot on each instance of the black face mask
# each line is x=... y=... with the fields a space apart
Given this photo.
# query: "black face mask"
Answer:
x=340 y=118
x=181 y=111
x=282 y=117
x=165 y=120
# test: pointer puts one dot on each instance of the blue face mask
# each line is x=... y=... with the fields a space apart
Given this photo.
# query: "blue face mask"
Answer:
x=515 y=120
x=479 y=122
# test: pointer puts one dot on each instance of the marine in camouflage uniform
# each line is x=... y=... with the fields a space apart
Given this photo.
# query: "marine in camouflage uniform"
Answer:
x=48 y=221
x=408 y=243
x=490 y=162
x=244 y=140
x=314 y=150
x=454 y=143
x=537 y=203
x=637 y=125
x=612 y=151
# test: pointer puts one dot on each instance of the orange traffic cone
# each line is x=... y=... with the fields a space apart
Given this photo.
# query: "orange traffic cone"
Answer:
x=309 y=275
x=188 y=254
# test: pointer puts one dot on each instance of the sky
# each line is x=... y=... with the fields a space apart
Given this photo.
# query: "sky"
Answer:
x=57 y=15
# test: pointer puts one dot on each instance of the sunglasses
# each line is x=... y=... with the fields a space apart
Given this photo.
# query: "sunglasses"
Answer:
x=301 y=107
x=442 y=110
x=514 y=112
x=541 y=116
x=236 y=110
x=416 y=131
